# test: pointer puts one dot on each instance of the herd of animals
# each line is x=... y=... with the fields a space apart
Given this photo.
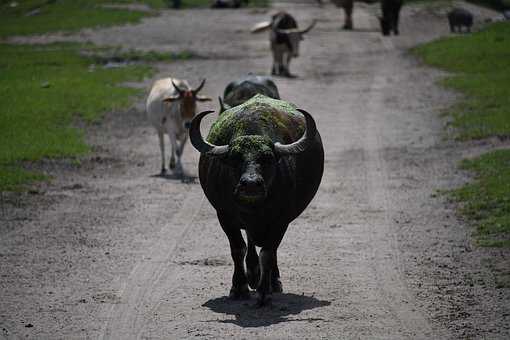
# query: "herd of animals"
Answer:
x=262 y=161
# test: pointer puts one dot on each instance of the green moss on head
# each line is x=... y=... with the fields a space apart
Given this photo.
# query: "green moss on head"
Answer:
x=261 y=115
x=252 y=144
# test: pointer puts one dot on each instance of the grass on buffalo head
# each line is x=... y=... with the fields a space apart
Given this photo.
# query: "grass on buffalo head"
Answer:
x=481 y=63
x=44 y=89
x=486 y=201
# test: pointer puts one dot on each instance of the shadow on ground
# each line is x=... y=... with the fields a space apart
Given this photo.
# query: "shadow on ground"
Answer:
x=248 y=315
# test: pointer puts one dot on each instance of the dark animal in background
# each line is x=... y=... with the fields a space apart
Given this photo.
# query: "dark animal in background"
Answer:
x=390 y=16
x=226 y=4
x=239 y=91
x=347 y=6
x=285 y=37
x=506 y=14
x=260 y=167
x=459 y=17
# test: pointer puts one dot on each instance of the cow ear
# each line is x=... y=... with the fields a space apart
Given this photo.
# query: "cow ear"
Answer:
x=171 y=99
x=203 y=98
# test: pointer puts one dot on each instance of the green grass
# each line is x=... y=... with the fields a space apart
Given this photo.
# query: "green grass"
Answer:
x=486 y=201
x=61 y=15
x=481 y=63
x=44 y=90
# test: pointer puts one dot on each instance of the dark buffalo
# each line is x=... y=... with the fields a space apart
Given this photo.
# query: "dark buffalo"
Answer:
x=260 y=167
x=390 y=16
x=239 y=91
x=459 y=17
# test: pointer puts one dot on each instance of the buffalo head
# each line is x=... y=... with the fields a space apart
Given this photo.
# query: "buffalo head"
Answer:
x=252 y=158
x=187 y=99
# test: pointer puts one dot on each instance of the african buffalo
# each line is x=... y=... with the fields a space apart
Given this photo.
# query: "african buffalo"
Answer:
x=284 y=38
x=260 y=167
x=239 y=91
x=390 y=16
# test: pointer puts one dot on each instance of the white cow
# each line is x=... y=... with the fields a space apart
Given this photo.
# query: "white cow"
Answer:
x=171 y=106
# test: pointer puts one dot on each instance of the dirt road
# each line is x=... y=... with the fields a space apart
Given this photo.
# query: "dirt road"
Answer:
x=109 y=251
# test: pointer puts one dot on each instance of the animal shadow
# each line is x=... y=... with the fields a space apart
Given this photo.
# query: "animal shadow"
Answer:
x=183 y=177
x=246 y=314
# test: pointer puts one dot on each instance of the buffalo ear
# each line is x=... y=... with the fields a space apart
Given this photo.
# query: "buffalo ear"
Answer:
x=203 y=98
x=171 y=98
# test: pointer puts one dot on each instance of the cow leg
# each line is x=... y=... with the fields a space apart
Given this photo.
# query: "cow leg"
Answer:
x=286 y=66
x=267 y=261
x=161 y=137
x=176 y=167
x=180 y=150
x=252 y=265
x=239 y=288
x=395 y=23
x=277 y=60
x=347 y=6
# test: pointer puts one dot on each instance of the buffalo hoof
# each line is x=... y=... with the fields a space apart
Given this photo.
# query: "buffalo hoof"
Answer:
x=163 y=172
x=253 y=278
x=347 y=27
x=264 y=299
x=239 y=293
x=276 y=285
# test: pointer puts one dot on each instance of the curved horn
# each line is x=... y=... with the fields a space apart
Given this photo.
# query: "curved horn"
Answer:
x=198 y=141
x=301 y=144
x=306 y=30
x=195 y=91
x=177 y=88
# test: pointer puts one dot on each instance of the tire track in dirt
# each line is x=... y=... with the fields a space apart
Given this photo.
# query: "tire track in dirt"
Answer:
x=151 y=277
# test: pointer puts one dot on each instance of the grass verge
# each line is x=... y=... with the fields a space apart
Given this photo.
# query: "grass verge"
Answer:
x=44 y=90
x=481 y=66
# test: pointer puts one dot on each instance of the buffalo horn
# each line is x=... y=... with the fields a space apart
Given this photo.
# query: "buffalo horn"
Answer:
x=301 y=144
x=198 y=141
x=306 y=30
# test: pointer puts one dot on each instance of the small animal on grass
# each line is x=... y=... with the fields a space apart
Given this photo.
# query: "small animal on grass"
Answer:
x=171 y=106
x=390 y=16
x=259 y=167
x=459 y=17
x=239 y=91
x=285 y=37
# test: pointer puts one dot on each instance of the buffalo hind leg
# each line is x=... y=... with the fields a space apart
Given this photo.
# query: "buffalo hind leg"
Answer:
x=252 y=265
x=276 y=284
x=239 y=288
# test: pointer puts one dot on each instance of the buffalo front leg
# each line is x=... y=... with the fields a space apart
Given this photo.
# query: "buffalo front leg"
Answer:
x=276 y=283
x=267 y=261
x=239 y=288
x=252 y=265
x=347 y=6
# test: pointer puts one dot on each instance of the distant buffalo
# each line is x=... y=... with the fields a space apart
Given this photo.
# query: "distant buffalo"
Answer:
x=239 y=91
x=260 y=167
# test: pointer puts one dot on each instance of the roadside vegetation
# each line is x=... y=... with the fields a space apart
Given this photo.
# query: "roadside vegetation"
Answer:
x=480 y=63
x=44 y=90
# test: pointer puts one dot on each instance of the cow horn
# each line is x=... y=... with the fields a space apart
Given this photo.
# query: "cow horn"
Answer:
x=178 y=89
x=301 y=144
x=195 y=91
x=306 y=30
x=198 y=141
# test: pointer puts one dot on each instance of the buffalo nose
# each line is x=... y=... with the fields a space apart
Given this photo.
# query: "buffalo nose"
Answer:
x=187 y=125
x=251 y=185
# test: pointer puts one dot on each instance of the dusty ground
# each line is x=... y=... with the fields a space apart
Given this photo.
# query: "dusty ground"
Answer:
x=109 y=251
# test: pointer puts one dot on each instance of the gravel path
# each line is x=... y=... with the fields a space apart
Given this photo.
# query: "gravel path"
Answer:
x=110 y=251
